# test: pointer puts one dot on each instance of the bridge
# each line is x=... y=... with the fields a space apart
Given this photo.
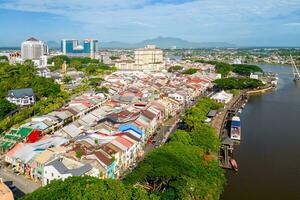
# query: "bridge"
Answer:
x=295 y=70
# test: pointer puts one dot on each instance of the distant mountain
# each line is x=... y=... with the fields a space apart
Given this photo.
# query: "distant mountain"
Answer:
x=166 y=42
x=53 y=44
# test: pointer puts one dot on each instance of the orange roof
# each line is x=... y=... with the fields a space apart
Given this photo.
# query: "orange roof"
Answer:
x=15 y=149
x=124 y=142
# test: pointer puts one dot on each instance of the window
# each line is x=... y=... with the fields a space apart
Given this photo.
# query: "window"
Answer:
x=52 y=174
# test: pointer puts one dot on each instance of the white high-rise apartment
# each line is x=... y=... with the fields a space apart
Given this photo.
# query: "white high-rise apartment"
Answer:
x=148 y=55
x=33 y=49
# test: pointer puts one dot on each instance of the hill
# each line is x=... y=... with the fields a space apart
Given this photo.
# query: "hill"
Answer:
x=166 y=42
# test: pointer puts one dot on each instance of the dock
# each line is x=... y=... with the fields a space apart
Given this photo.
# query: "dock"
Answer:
x=222 y=123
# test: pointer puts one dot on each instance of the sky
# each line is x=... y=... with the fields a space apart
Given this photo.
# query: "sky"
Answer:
x=240 y=22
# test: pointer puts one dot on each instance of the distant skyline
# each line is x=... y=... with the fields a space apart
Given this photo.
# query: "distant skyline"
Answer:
x=240 y=22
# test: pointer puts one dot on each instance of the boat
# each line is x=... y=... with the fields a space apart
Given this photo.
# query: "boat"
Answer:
x=234 y=165
x=235 y=128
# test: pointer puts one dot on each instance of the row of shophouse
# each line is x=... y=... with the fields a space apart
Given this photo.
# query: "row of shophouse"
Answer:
x=102 y=135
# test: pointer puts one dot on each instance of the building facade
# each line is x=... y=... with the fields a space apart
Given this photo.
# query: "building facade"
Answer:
x=21 y=97
x=74 y=48
x=148 y=55
x=33 y=49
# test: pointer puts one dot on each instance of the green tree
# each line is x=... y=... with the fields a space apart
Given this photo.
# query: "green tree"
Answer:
x=237 y=83
x=6 y=107
x=3 y=59
x=246 y=69
x=67 y=79
x=95 y=82
x=76 y=64
x=79 y=188
x=175 y=68
x=190 y=71
x=102 y=90
x=185 y=167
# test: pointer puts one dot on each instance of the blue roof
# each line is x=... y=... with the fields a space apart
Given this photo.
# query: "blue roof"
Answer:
x=40 y=126
x=126 y=127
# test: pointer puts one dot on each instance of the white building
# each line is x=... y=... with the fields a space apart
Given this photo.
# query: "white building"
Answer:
x=33 y=49
x=149 y=58
x=253 y=76
x=222 y=97
x=177 y=96
x=21 y=97
x=63 y=168
x=43 y=72
x=148 y=55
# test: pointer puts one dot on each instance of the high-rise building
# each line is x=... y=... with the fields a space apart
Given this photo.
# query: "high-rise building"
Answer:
x=148 y=55
x=73 y=48
x=33 y=49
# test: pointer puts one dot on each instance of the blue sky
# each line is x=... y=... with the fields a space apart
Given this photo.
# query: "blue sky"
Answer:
x=242 y=22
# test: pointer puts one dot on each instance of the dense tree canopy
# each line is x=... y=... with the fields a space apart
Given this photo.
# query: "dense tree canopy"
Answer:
x=84 y=188
x=175 y=68
x=3 y=59
x=24 y=76
x=6 y=107
x=87 y=65
x=190 y=71
x=94 y=82
x=179 y=169
x=237 y=83
x=221 y=67
x=243 y=69
x=225 y=68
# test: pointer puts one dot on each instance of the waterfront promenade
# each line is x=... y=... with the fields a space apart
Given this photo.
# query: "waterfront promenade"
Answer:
x=218 y=121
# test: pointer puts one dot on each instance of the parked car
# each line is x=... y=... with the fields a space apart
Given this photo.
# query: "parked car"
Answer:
x=12 y=187
x=149 y=141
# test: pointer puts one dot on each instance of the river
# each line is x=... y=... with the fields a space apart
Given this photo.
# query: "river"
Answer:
x=269 y=153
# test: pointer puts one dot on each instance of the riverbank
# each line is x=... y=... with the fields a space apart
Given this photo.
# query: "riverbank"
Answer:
x=261 y=90
x=269 y=144
x=222 y=122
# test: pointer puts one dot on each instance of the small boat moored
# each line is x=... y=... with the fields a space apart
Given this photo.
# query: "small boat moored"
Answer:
x=234 y=165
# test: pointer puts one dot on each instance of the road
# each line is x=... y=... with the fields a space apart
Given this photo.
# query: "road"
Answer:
x=22 y=184
x=166 y=129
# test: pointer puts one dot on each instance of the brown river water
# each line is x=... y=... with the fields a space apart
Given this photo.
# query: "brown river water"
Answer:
x=269 y=153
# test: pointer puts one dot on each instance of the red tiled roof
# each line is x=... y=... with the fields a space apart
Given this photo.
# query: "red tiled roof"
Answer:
x=101 y=156
x=124 y=142
x=148 y=114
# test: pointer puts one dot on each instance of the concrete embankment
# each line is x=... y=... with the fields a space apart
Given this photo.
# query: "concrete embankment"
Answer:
x=262 y=90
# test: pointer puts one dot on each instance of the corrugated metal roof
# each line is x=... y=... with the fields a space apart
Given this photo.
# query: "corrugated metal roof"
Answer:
x=62 y=169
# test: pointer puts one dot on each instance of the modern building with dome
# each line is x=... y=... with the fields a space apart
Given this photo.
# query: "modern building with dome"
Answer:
x=73 y=48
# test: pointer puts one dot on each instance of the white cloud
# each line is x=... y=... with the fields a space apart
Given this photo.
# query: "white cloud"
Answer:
x=292 y=24
x=141 y=19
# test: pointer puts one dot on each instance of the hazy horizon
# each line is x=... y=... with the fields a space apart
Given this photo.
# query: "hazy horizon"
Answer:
x=243 y=23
